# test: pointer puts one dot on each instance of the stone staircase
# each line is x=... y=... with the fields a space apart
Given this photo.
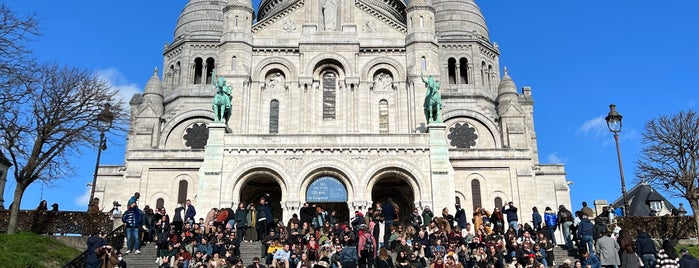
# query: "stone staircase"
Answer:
x=143 y=260
x=146 y=259
x=560 y=254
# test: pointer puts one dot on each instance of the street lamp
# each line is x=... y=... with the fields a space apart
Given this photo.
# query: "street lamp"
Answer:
x=104 y=122
x=614 y=124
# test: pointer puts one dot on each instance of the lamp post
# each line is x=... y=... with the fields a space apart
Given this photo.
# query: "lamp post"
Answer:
x=614 y=124
x=104 y=122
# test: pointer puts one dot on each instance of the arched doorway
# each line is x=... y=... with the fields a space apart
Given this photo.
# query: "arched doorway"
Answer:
x=330 y=194
x=259 y=185
x=393 y=184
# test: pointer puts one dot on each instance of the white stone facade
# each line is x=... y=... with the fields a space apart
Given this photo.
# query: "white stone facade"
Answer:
x=348 y=95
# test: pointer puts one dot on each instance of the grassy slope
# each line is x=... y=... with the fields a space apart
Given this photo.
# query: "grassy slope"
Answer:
x=31 y=250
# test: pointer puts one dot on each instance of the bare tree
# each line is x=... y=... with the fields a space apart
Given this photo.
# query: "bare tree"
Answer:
x=15 y=60
x=670 y=156
x=54 y=118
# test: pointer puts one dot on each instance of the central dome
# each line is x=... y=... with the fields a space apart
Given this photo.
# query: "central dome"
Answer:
x=459 y=18
x=201 y=19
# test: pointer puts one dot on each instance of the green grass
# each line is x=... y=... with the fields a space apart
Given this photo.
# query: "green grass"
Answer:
x=31 y=250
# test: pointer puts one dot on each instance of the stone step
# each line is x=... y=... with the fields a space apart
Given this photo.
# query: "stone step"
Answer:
x=143 y=260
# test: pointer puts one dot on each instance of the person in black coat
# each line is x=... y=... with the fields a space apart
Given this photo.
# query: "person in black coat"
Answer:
x=95 y=242
x=687 y=260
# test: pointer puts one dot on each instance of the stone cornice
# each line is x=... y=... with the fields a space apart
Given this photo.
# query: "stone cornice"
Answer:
x=285 y=151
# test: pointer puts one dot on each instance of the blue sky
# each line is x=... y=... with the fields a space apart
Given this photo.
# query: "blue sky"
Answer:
x=578 y=57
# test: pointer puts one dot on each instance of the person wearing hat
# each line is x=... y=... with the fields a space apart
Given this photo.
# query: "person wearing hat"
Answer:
x=687 y=260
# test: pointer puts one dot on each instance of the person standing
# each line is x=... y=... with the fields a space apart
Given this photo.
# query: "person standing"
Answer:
x=389 y=216
x=585 y=233
x=645 y=248
x=460 y=216
x=551 y=221
x=427 y=215
x=536 y=219
x=241 y=221
x=94 y=242
x=667 y=256
x=608 y=250
x=587 y=210
x=177 y=219
x=511 y=213
x=190 y=212
x=132 y=220
x=565 y=220
x=133 y=199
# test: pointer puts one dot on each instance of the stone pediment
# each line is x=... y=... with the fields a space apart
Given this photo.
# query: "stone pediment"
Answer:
x=147 y=110
x=512 y=110
x=389 y=12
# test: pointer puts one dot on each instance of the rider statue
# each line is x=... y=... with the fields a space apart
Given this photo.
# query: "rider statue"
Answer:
x=222 y=99
x=433 y=100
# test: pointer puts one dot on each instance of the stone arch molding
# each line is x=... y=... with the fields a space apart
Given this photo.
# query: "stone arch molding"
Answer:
x=383 y=63
x=181 y=118
x=407 y=170
x=246 y=170
x=343 y=68
x=335 y=173
x=491 y=126
x=165 y=196
x=325 y=164
x=267 y=64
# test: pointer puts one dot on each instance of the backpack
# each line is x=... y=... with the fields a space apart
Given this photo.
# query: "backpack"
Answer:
x=369 y=245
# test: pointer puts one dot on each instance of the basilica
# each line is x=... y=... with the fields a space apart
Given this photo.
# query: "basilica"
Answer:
x=328 y=107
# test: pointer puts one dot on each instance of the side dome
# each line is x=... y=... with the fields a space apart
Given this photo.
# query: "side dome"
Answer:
x=507 y=87
x=459 y=18
x=154 y=85
x=201 y=20
x=269 y=8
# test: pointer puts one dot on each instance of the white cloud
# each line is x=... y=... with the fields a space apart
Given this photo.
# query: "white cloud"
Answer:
x=595 y=127
x=84 y=199
x=553 y=158
x=117 y=80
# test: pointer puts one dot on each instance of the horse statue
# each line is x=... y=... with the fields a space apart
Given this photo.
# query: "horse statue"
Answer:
x=222 y=99
x=433 y=100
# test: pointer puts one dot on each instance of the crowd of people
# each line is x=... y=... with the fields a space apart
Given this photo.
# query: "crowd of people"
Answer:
x=386 y=237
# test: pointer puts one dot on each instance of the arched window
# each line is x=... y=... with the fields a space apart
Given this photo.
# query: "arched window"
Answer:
x=457 y=201
x=209 y=69
x=160 y=203
x=422 y=22
x=476 y=193
x=383 y=117
x=463 y=71
x=182 y=192
x=198 y=70
x=451 y=65
x=171 y=79
x=491 y=81
x=498 y=202
x=423 y=63
x=329 y=88
x=178 y=71
x=274 y=117
x=236 y=21
x=484 y=74
x=234 y=62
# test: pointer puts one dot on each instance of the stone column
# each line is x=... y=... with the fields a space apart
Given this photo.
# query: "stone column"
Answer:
x=209 y=190
x=441 y=170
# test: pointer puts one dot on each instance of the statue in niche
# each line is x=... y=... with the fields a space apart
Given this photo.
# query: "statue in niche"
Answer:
x=383 y=81
x=276 y=81
x=329 y=14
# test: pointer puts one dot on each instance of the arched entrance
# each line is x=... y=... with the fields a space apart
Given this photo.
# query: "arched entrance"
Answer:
x=259 y=185
x=330 y=194
x=393 y=184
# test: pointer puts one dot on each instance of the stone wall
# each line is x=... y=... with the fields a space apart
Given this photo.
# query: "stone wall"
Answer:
x=60 y=222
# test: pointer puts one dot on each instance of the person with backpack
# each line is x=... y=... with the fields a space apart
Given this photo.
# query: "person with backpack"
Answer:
x=565 y=220
x=366 y=247
x=349 y=256
x=551 y=221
